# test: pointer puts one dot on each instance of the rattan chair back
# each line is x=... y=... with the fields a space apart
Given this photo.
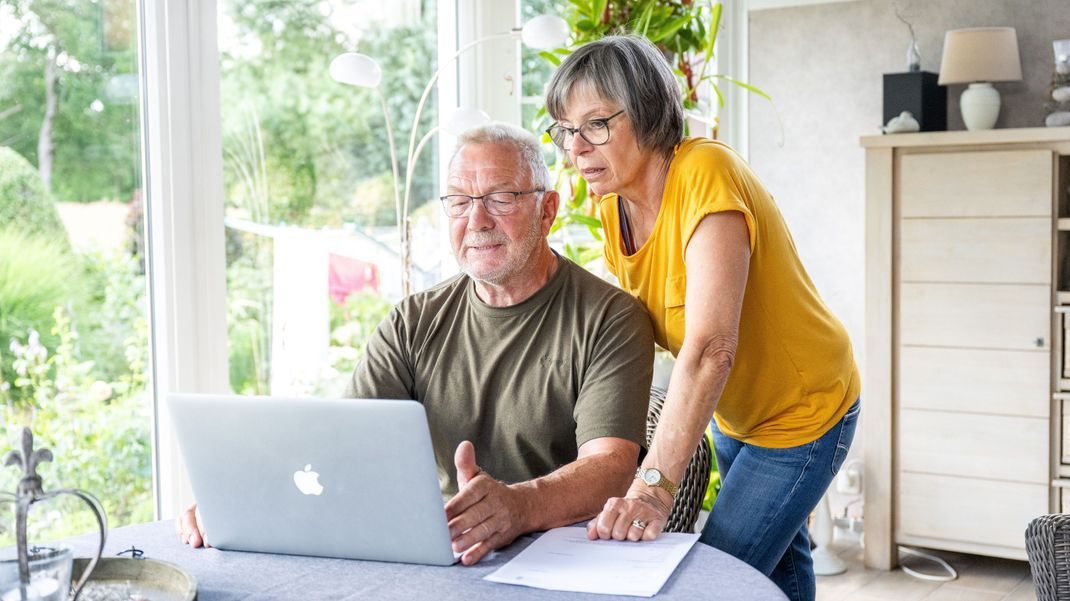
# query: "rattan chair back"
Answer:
x=1047 y=541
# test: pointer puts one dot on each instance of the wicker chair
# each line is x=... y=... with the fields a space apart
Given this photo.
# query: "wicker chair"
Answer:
x=693 y=486
x=1047 y=541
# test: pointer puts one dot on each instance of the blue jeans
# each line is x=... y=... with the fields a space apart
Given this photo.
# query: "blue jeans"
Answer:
x=766 y=496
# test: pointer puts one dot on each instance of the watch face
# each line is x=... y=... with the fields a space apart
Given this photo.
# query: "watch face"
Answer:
x=652 y=476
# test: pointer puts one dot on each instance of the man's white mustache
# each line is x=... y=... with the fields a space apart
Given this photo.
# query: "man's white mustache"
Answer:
x=484 y=239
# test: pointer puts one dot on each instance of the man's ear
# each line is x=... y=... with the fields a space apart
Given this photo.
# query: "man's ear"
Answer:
x=550 y=201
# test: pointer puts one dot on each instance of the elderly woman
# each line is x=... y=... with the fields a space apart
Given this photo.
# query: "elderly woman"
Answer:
x=692 y=233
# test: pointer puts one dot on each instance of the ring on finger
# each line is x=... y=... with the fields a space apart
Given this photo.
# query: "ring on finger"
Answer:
x=640 y=524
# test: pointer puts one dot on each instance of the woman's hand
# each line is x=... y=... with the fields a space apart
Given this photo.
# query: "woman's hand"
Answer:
x=650 y=506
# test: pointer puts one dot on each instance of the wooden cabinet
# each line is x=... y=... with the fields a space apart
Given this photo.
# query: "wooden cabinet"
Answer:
x=965 y=381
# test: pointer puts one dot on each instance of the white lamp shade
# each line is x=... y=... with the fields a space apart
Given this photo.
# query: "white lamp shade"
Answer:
x=356 y=69
x=545 y=32
x=980 y=54
x=463 y=119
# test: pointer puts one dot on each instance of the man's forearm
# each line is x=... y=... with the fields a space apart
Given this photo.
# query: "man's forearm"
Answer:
x=576 y=491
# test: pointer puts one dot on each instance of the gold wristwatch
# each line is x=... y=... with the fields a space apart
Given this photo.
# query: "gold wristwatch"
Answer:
x=652 y=477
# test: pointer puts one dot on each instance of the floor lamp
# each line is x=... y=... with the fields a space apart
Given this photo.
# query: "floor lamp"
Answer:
x=542 y=32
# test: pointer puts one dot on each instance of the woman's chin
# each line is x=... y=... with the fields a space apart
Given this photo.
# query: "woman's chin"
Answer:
x=598 y=188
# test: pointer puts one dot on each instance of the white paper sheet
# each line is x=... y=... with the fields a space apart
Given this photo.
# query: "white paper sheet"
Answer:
x=564 y=560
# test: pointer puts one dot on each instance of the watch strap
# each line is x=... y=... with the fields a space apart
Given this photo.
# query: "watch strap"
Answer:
x=662 y=483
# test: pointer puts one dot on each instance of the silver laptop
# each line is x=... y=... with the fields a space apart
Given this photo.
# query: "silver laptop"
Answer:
x=350 y=478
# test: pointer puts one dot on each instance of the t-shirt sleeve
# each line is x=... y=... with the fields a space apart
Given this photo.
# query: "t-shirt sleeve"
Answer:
x=386 y=370
x=615 y=391
x=715 y=180
x=608 y=217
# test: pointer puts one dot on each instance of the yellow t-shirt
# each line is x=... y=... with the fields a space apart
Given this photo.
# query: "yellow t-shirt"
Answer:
x=794 y=374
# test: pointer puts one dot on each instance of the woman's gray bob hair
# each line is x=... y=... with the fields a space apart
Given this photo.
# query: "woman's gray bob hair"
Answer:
x=627 y=70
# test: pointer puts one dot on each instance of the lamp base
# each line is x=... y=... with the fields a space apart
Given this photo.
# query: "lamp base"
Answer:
x=980 y=106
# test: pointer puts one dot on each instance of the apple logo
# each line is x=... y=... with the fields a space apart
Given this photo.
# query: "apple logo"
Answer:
x=307 y=481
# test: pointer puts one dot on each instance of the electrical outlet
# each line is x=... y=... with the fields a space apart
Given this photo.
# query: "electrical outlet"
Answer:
x=848 y=529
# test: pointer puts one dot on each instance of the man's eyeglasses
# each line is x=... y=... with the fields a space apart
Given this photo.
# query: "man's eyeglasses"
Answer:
x=595 y=131
x=495 y=203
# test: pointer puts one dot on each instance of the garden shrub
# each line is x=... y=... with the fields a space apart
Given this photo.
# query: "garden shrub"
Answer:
x=25 y=205
x=36 y=276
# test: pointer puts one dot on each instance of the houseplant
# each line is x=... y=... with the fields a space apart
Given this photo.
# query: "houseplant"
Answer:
x=686 y=33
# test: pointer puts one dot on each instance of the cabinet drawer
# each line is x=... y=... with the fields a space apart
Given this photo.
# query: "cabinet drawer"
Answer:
x=974 y=446
x=966 y=509
x=981 y=381
x=1005 y=250
x=978 y=184
x=990 y=316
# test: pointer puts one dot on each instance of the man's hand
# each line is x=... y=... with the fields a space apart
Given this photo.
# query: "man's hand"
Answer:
x=190 y=529
x=486 y=514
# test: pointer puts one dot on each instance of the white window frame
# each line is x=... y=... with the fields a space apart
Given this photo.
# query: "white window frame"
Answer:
x=183 y=176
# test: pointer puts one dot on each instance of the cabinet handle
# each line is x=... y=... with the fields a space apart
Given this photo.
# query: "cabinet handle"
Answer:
x=1039 y=342
x=1062 y=309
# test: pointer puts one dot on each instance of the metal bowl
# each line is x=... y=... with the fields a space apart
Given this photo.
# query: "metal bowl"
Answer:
x=135 y=580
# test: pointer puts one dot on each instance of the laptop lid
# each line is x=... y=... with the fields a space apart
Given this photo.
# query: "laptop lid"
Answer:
x=349 y=478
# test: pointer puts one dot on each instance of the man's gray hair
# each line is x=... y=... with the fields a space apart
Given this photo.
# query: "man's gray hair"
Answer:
x=629 y=71
x=526 y=145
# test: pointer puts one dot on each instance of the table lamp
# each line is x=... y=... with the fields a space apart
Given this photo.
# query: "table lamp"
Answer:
x=979 y=56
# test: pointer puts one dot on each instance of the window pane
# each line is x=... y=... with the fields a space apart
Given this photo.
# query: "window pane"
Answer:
x=73 y=317
x=313 y=253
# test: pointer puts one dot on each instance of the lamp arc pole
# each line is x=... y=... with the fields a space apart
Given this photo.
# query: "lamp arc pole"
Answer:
x=542 y=32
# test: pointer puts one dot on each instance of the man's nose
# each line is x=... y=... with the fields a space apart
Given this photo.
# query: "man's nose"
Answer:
x=478 y=217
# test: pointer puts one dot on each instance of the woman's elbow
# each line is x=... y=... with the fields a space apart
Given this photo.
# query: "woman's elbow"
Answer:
x=714 y=356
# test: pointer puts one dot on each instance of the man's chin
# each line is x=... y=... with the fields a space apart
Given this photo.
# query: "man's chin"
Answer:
x=483 y=272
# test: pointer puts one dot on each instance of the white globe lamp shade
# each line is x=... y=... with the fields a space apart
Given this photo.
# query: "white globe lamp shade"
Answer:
x=545 y=32
x=356 y=69
x=463 y=119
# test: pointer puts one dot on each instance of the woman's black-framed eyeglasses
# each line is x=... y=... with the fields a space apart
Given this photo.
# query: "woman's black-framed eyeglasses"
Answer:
x=498 y=204
x=595 y=132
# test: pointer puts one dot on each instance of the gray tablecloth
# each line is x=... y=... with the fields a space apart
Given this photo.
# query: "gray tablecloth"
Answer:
x=705 y=573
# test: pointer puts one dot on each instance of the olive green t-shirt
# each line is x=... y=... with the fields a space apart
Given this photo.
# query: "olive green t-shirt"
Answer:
x=527 y=384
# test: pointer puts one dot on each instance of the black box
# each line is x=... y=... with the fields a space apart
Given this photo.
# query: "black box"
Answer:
x=917 y=92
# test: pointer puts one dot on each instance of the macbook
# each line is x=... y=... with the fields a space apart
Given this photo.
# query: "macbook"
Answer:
x=349 y=478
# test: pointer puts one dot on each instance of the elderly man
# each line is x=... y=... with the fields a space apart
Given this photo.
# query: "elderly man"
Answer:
x=539 y=366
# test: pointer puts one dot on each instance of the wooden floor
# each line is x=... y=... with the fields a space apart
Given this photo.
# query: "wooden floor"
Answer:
x=980 y=579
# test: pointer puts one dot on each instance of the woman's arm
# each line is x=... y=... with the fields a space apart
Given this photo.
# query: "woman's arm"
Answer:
x=717 y=257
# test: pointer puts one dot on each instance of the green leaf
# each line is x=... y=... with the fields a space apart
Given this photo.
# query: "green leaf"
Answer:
x=598 y=9
x=580 y=196
x=583 y=219
x=572 y=254
x=643 y=22
x=559 y=222
x=596 y=232
x=550 y=58
x=745 y=86
x=715 y=26
x=720 y=96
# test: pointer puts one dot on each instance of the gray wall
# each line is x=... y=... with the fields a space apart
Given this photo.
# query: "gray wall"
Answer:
x=822 y=64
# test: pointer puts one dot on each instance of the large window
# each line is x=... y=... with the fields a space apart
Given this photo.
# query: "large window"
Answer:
x=312 y=243
x=73 y=325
